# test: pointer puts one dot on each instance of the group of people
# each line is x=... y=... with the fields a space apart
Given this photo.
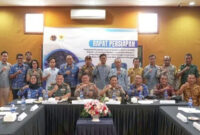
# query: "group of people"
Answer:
x=89 y=81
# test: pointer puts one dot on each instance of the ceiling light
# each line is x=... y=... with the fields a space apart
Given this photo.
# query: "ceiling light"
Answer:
x=192 y=3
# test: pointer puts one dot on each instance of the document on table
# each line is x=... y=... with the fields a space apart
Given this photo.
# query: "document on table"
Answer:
x=167 y=101
x=188 y=110
x=81 y=101
x=145 y=101
x=196 y=125
x=113 y=102
x=6 y=108
x=4 y=113
x=28 y=101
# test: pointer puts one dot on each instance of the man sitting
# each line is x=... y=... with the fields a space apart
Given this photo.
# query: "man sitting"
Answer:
x=190 y=90
x=59 y=90
x=113 y=89
x=86 y=89
x=163 y=86
x=138 y=87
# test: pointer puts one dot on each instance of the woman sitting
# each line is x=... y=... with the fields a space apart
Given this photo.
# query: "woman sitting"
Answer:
x=35 y=90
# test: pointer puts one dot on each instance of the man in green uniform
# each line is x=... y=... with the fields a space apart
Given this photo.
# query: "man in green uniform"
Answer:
x=59 y=90
x=187 y=68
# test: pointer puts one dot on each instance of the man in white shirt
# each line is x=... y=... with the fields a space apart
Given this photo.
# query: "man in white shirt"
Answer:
x=50 y=73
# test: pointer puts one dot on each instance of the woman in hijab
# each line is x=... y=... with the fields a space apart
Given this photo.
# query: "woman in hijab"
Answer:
x=34 y=88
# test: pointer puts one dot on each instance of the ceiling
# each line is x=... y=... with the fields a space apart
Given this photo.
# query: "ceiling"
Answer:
x=174 y=3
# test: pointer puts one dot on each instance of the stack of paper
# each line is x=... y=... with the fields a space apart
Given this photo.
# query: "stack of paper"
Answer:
x=4 y=108
x=145 y=101
x=167 y=101
x=28 y=101
x=81 y=101
x=10 y=117
x=113 y=102
x=50 y=101
x=196 y=125
x=4 y=113
x=181 y=117
x=188 y=110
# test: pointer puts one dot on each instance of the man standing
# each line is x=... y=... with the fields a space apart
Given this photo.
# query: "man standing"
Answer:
x=4 y=78
x=28 y=59
x=187 y=68
x=101 y=72
x=50 y=73
x=18 y=75
x=168 y=70
x=70 y=73
x=136 y=70
x=86 y=69
x=150 y=72
x=121 y=74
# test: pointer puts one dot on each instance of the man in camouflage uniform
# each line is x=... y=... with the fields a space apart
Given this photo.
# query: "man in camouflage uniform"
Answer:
x=86 y=69
x=113 y=88
x=88 y=89
x=59 y=90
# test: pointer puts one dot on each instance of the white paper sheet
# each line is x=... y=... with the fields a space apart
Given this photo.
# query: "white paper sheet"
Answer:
x=28 y=101
x=188 y=110
x=22 y=116
x=145 y=101
x=82 y=101
x=167 y=102
x=113 y=102
x=196 y=125
x=181 y=117
x=4 y=113
x=34 y=107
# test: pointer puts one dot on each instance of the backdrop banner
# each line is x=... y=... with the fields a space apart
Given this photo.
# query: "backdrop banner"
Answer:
x=79 y=42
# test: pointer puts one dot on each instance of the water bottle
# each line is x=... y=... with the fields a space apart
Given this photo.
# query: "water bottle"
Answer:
x=23 y=104
x=165 y=95
x=46 y=95
x=190 y=102
x=81 y=94
x=114 y=94
x=29 y=94
x=12 y=107
x=140 y=95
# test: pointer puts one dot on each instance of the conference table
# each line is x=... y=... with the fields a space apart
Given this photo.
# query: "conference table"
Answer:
x=169 y=124
x=33 y=124
x=61 y=119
